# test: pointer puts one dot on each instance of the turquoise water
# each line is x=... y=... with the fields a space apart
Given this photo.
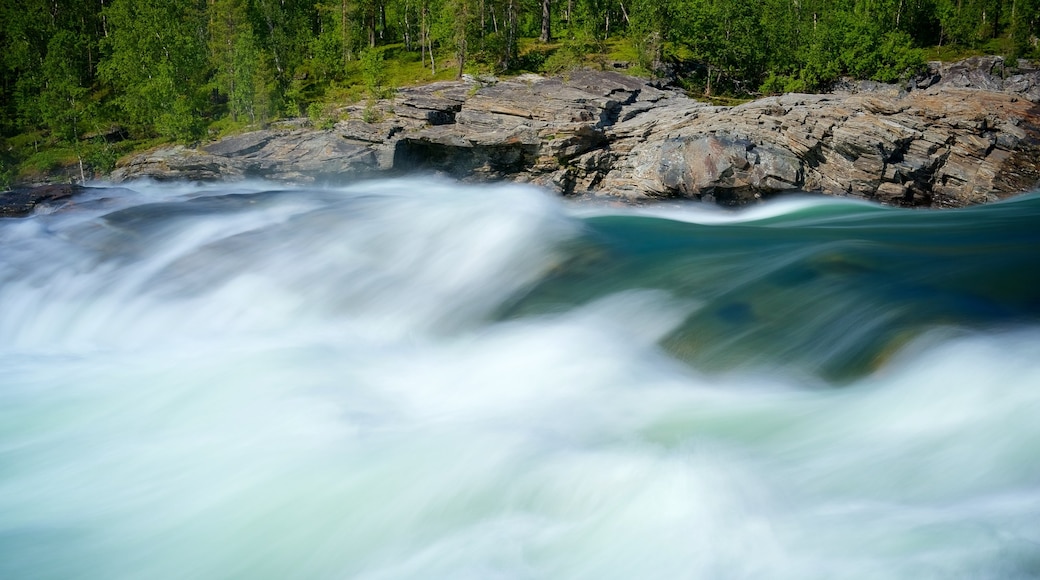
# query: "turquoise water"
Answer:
x=829 y=287
x=419 y=379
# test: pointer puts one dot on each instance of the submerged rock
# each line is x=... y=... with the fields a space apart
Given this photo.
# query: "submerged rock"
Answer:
x=959 y=135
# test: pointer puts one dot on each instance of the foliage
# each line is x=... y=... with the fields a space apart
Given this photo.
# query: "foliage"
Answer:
x=6 y=175
x=572 y=54
x=184 y=69
x=48 y=160
x=157 y=57
x=322 y=115
x=63 y=102
x=777 y=84
x=101 y=156
x=240 y=70
x=374 y=75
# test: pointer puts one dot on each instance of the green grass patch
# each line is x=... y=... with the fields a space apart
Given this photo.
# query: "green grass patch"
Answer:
x=227 y=126
x=950 y=53
x=25 y=144
x=32 y=156
x=532 y=54
x=46 y=160
x=404 y=68
x=389 y=68
x=621 y=49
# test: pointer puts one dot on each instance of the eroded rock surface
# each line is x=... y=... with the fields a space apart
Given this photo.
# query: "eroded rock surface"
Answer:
x=958 y=135
x=22 y=202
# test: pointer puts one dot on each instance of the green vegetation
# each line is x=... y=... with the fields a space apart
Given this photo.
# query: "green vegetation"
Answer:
x=82 y=82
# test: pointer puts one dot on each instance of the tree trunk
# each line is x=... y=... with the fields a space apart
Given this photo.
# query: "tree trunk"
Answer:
x=546 y=21
x=372 y=27
x=462 y=22
x=511 y=29
x=270 y=29
x=343 y=30
x=429 y=47
x=382 y=20
x=407 y=30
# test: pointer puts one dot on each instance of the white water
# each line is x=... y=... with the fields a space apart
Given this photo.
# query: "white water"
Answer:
x=308 y=387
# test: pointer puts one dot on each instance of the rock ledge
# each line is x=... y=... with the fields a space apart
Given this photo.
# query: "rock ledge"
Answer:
x=961 y=134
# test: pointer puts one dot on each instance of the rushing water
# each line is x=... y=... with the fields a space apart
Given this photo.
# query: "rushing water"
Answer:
x=418 y=379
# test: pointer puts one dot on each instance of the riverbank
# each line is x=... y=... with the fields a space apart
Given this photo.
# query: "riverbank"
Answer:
x=961 y=134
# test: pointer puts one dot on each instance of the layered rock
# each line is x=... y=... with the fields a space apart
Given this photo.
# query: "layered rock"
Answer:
x=943 y=146
x=936 y=142
x=22 y=202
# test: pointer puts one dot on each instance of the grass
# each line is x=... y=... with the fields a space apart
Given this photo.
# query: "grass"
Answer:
x=227 y=126
x=34 y=156
x=950 y=53
x=404 y=68
x=48 y=159
x=621 y=50
x=1000 y=45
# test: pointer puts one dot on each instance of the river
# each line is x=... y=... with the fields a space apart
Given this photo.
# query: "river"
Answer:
x=413 y=378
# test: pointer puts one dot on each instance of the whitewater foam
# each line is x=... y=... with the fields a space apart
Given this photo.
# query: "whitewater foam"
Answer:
x=315 y=383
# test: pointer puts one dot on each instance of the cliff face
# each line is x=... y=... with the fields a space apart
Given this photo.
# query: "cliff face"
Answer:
x=962 y=134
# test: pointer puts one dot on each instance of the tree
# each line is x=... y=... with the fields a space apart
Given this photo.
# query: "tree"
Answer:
x=232 y=53
x=546 y=21
x=283 y=29
x=457 y=28
x=652 y=23
x=28 y=32
x=157 y=64
x=1023 y=23
x=725 y=35
x=63 y=98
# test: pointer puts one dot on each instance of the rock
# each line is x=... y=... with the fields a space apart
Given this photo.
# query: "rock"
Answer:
x=944 y=146
x=436 y=103
x=992 y=73
x=301 y=156
x=22 y=202
x=177 y=163
x=940 y=141
x=492 y=155
x=978 y=72
x=731 y=170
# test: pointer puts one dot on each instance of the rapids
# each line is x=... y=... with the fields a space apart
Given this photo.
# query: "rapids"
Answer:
x=413 y=378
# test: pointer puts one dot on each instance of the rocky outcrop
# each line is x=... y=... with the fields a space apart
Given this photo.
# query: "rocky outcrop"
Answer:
x=944 y=147
x=22 y=202
x=958 y=135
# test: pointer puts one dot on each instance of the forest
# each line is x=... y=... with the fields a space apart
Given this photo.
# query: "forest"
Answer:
x=86 y=79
